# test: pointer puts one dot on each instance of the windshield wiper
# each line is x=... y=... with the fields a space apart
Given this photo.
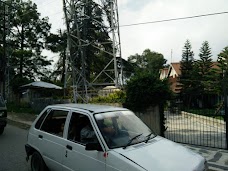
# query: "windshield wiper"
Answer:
x=129 y=142
x=148 y=137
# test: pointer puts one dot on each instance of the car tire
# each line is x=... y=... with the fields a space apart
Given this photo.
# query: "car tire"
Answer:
x=1 y=130
x=37 y=162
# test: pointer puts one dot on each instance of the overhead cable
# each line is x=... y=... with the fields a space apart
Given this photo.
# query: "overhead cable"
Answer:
x=174 y=19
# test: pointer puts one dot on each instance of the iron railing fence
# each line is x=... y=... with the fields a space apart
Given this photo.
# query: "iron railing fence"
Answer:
x=197 y=125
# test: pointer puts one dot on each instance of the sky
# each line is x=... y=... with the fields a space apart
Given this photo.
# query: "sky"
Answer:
x=167 y=38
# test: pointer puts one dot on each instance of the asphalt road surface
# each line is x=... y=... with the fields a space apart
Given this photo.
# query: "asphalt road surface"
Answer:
x=12 y=149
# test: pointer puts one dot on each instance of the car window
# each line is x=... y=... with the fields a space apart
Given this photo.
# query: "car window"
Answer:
x=81 y=130
x=54 y=122
x=119 y=127
x=40 y=120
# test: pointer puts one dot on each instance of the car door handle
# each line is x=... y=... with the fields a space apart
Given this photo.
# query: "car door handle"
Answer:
x=40 y=136
x=69 y=147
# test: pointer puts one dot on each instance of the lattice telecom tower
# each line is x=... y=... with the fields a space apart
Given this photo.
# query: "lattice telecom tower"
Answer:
x=78 y=19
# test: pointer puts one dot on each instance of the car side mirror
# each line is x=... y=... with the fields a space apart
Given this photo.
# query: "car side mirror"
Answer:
x=93 y=146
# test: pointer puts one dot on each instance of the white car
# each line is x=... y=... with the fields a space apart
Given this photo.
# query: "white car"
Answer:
x=84 y=137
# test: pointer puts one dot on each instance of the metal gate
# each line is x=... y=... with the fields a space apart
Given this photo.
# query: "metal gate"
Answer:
x=197 y=126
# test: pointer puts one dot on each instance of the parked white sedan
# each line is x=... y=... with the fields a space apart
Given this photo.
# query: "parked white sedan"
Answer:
x=84 y=137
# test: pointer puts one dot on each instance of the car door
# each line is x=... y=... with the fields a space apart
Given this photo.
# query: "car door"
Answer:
x=50 y=138
x=76 y=157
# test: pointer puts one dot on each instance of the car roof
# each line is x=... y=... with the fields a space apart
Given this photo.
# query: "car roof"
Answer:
x=93 y=108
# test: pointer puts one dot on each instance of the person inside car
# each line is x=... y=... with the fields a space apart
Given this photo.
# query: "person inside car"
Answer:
x=87 y=134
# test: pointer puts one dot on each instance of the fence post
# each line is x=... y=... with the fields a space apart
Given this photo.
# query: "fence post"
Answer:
x=226 y=112
x=225 y=82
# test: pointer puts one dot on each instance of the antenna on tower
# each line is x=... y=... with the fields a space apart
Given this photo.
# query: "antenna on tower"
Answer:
x=171 y=55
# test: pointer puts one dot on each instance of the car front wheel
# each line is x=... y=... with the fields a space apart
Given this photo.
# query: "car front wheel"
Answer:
x=37 y=163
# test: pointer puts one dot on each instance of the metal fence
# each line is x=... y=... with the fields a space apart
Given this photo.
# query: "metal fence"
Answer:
x=197 y=126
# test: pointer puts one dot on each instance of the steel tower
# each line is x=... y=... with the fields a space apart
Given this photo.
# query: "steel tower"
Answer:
x=77 y=17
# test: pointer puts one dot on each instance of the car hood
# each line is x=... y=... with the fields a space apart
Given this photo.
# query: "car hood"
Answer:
x=160 y=154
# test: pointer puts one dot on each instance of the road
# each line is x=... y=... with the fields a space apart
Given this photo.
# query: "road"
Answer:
x=12 y=151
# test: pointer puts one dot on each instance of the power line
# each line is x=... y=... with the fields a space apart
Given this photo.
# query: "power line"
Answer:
x=174 y=19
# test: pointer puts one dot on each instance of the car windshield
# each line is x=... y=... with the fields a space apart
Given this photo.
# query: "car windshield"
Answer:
x=122 y=128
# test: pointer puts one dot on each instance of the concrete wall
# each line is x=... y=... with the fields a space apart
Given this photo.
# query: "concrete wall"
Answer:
x=152 y=119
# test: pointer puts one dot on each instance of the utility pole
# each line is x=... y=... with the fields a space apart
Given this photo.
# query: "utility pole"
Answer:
x=5 y=64
x=3 y=57
x=77 y=17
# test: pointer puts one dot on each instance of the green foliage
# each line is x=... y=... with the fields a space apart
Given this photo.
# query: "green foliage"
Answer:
x=17 y=82
x=57 y=43
x=149 y=61
x=187 y=73
x=199 y=79
x=25 y=40
x=115 y=97
x=187 y=61
x=206 y=74
x=223 y=60
x=223 y=64
x=27 y=36
x=145 y=90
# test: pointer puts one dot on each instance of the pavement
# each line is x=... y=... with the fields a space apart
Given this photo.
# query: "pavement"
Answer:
x=217 y=158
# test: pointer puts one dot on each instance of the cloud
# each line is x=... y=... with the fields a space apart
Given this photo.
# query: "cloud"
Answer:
x=162 y=37
x=54 y=11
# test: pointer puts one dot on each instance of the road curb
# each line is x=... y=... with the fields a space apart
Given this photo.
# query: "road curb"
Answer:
x=18 y=123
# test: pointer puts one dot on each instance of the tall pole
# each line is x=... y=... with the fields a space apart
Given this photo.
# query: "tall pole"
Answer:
x=114 y=44
x=4 y=53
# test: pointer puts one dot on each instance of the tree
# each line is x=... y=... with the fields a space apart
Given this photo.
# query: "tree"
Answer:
x=149 y=61
x=186 y=78
x=27 y=38
x=148 y=86
x=205 y=62
x=137 y=61
x=223 y=65
x=223 y=60
x=57 y=43
x=206 y=74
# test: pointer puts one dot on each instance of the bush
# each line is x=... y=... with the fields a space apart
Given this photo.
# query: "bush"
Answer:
x=115 y=97
x=145 y=90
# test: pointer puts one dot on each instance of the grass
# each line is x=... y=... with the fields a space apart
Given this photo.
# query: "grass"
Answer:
x=206 y=112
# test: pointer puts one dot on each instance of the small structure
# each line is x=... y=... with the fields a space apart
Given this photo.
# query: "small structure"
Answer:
x=39 y=89
x=107 y=90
